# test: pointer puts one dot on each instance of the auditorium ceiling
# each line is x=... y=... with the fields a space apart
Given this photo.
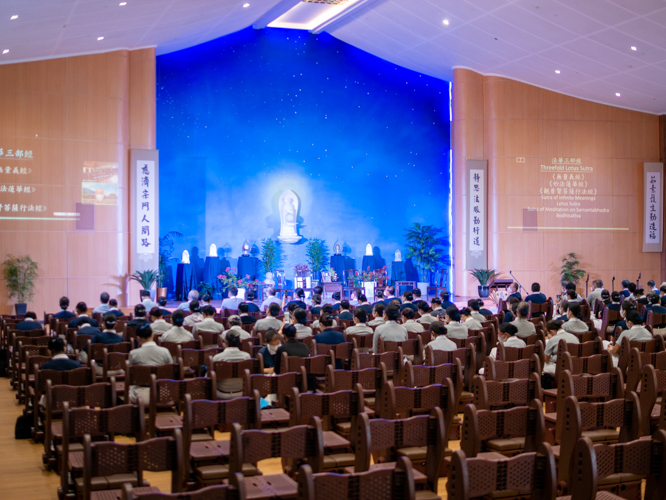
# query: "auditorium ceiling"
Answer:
x=609 y=51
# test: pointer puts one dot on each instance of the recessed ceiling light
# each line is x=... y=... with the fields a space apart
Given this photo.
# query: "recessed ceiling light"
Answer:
x=100 y=38
x=633 y=48
x=15 y=16
x=446 y=22
x=557 y=71
x=617 y=94
x=122 y=4
x=246 y=5
x=5 y=51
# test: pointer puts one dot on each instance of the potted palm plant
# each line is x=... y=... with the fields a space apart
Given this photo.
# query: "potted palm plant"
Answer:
x=484 y=277
x=317 y=255
x=570 y=270
x=423 y=247
x=269 y=259
x=20 y=274
x=146 y=279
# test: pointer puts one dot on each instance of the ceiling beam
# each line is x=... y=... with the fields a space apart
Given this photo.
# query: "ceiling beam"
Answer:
x=273 y=13
x=344 y=16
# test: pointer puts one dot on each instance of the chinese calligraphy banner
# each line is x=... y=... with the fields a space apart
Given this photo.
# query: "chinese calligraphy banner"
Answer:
x=476 y=217
x=145 y=208
x=653 y=224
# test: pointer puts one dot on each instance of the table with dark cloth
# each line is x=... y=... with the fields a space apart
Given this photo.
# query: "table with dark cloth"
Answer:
x=212 y=269
x=398 y=272
x=247 y=265
x=338 y=265
x=186 y=280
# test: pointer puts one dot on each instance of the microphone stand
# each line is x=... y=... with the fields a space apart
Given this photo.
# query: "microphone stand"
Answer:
x=613 y=284
x=520 y=287
x=638 y=279
x=587 y=287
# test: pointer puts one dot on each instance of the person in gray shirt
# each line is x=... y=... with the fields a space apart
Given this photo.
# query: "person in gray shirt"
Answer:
x=378 y=314
x=360 y=326
x=525 y=327
x=426 y=318
x=299 y=319
x=193 y=295
x=390 y=330
x=177 y=333
x=149 y=354
x=455 y=330
x=574 y=324
x=158 y=325
x=555 y=334
x=269 y=321
x=208 y=323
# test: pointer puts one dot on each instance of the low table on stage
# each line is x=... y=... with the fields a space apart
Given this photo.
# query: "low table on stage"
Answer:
x=186 y=280
x=247 y=266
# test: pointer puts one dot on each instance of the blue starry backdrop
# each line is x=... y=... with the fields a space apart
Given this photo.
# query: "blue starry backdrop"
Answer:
x=363 y=143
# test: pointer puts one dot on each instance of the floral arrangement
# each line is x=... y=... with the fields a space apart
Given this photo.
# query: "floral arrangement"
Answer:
x=302 y=270
x=228 y=279
x=355 y=279
x=368 y=275
x=381 y=275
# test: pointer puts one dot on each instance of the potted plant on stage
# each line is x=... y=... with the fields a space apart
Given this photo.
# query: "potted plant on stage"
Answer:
x=317 y=254
x=20 y=274
x=570 y=272
x=484 y=277
x=302 y=276
x=146 y=279
x=269 y=259
x=423 y=247
x=166 y=259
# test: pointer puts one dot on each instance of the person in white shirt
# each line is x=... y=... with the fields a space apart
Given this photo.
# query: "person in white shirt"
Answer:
x=300 y=319
x=409 y=323
x=426 y=318
x=271 y=299
x=149 y=354
x=635 y=332
x=469 y=321
x=390 y=330
x=441 y=342
x=574 y=324
x=360 y=327
x=437 y=311
x=378 y=314
x=233 y=387
x=196 y=316
x=232 y=301
x=525 y=327
x=353 y=299
x=269 y=321
x=455 y=330
x=474 y=307
x=146 y=301
x=508 y=337
x=326 y=309
x=193 y=295
x=595 y=294
x=208 y=323
x=235 y=323
x=555 y=334
x=104 y=307
x=158 y=325
x=177 y=333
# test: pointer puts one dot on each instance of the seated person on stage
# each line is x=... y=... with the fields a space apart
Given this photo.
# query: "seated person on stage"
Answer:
x=59 y=360
x=300 y=320
x=416 y=292
x=196 y=316
x=139 y=317
x=148 y=354
x=271 y=299
x=379 y=297
x=360 y=326
x=232 y=302
x=236 y=328
x=409 y=322
x=336 y=300
x=64 y=313
x=205 y=300
x=162 y=302
x=407 y=303
x=555 y=334
x=113 y=308
x=509 y=337
x=250 y=297
x=193 y=295
x=389 y=295
x=468 y=321
x=510 y=313
x=146 y=300
x=636 y=331
x=103 y=307
x=177 y=333
x=270 y=321
x=208 y=323
x=595 y=294
x=574 y=324
x=454 y=329
x=426 y=318
x=514 y=289
x=536 y=296
x=437 y=311
x=316 y=304
x=525 y=327
x=157 y=323
x=446 y=302
x=327 y=309
x=344 y=311
x=440 y=341
x=82 y=316
x=292 y=347
x=390 y=330
x=107 y=336
x=29 y=323
x=475 y=305
x=232 y=387
x=378 y=314
x=364 y=304
x=299 y=299
x=243 y=312
x=269 y=351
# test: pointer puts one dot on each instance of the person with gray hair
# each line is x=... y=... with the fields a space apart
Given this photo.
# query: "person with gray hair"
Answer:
x=595 y=294
x=235 y=323
x=271 y=299
x=193 y=295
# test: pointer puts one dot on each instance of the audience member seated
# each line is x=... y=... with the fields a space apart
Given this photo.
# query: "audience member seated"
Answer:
x=146 y=300
x=193 y=295
x=574 y=324
x=208 y=323
x=82 y=316
x=205 y=300
x=113 y=308
x=157 y=322
x=318 y=290
x=437 y=311
x=510 y=313
x=177 y=333
x=632 y=291
x=555 y=334
x=292 y=347
x=162 y=302
x=446 y=303
x=250 y=297
x=316 y=304
x=407 y=298
x=597 y=287
x=336 y=301
x=29 y=323
x=484 y=312
x=572 y=286
x=271 y=320
x=625 y=288
x=243 y=312
x=360 y=326
x=440 y=341
x=269 y=351
x=328 y=335
x=271 y=299
x=235 y=327
x=636 y=331
x=605 y=301
x=64 y=313
x=59 y=360
x=525 y=327
x=455 y=330
x=515 y=293
x=196 y=316
x=148 y=354
x=139 y=317
x=354 y=296
x=625 y=308
x=299 y=299
x=656 y=306
x=390 y=330
x=640 y=296
x=232 y=387
x=468 y=321
x=389 y=295
x=379 y=297
x=299 y=320
x=344 y=311
x=377 y=314
x=426 y=318
x=563 y=311
x=107 y=336
x=509 y=337
x=364 y=304
x=326 y=309
x=416 y=292
x=408 y=321
x=103 y=307
x=536 y=296
x=652 y=286
x=475 y=306
x=86 y=329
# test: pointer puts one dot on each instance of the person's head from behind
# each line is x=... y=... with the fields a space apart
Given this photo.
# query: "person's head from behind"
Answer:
x=474 y=304
x=379 y=294
x=392 y=313
x=270 y=291
x=631 y=287
x=56 y=345
x=362 y=298
x=300 y=316
x=274 y=309
x=81 y=308
x=326 y=320
x=113 y=303
x=273 y=340
x=654 y=298
x=233 y=339
x=193 y=295
x=605 y=295
x=243 y=308
x=598 y=283
x=233 y=291
x=144 y=333
x=575 y=310
x=437 y=328
x=407 y=296
x=178 y=318
x=407 y=313
x=289 y=331
x=64 y=303
x=327 y=308
x=523 y=310
x=453 y=314
x=162 y=301
x=662 y=289
x=507 y=330
x=572 y=295
x=513 y=304
x=536 y=288
x=144 y=295
x=318 y=290
x=31 y=315
x=316 y=299
x=299 y=293
x=155 y=314
x=554 y=326
x=663 y=300
x=639 y=291
x=625 y=283
x=336 y=296
x=250 y=296
x=424 y=308
x=565 y=306
x=140 y=311
x=235 y=320
x=344 y=305
x=417 y=293
x=651 y=283
x=208 y=311
x=110 y=321
x=444 y=296
x=634 y=318
x=206 y=298
x=626 y=307
x=104 y=297
x=615 y=297
x=360 y=315
x=436 y=303
x=378 y=310
x=465 y=313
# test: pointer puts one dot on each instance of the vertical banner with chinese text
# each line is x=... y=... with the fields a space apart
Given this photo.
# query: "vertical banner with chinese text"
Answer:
x=477 y=224
x=144 y=169
x=653 y=223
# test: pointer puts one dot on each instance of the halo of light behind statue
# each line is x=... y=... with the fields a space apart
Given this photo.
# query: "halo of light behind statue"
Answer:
x=213 y=250
x=337 y=247
x=368 y=249
x=398 y=256
x=246 y=248
x=289 y=204
x=186 y=257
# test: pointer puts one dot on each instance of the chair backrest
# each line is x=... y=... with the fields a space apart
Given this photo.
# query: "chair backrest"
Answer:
x=494 y=394
x=174 y=346
x=209 y=338
x=341 y=351
x=479 y=426
x=624 y=414
x=478 y=344
x=387 y=484
x=196 y=358
x=580 y=350
x=593 y=365
x=96 y=351
x=113 y=361
x=142 y=375
x=154 y=455
x=393 y=361
x=475 y=477
x=653 y=383
x=502 y=370
x=371 y=379
x=360 y=341
x=515 y=353
x=275 y=384
x=385 y=436
x=423 y=375
x=650 y=346
x=466 y=356
x=410 y=347
x=215 y=492
x=76 y=377
x=235 y=369
x=637 y=360
x=315 y=365
x=608 y=319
